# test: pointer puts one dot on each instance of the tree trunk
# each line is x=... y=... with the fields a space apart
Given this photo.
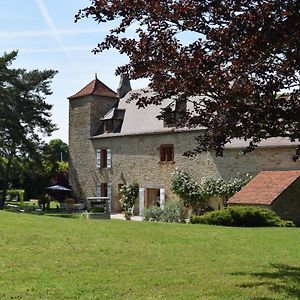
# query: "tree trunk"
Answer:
x=5 y=182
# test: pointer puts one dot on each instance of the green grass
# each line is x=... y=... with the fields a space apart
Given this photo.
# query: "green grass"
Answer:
x=57 y=258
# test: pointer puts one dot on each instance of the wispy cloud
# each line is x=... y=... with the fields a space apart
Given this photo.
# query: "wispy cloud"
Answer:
x=42 y=33
x=52 y=50
x=48 y=20
x=55 y=32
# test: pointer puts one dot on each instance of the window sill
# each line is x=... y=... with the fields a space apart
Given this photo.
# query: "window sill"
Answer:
x=166 y=162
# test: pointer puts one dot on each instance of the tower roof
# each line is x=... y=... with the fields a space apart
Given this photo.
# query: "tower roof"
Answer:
x=96 y=88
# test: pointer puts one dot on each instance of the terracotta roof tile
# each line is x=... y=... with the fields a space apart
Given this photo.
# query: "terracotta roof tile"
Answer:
x=97 y=88
x=265 y=187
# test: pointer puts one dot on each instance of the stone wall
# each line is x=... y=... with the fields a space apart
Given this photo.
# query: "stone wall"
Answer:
x=84 y=120
x=137 y=158
x=287 y=205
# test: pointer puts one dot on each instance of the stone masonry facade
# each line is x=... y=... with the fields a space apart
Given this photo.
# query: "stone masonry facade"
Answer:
x=136 y=157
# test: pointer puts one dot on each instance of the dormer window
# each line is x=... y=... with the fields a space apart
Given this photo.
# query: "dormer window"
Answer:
x=170 y=119
x=108 y=126
x=173 y=113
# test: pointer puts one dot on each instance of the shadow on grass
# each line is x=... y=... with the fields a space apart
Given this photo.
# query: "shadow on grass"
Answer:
x=68 y=216
x=48 y=214
x=282 y=280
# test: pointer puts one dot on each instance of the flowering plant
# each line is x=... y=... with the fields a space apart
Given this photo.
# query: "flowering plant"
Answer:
x=195 y=195
x=186 y=188
x=129 y=193
x=223 y=188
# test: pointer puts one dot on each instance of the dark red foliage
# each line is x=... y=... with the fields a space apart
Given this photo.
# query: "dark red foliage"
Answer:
x=244 y=54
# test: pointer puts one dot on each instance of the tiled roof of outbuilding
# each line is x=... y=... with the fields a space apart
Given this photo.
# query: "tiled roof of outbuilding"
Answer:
x=265 y=187
x=97 y=88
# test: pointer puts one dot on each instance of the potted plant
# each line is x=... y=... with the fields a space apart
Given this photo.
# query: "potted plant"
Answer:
x=129 y=193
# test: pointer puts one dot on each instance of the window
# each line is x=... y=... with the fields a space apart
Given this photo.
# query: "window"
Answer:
x=170 y=119
x=108 y=126
x=103 y=158
x=167 y=153
x=104 y=191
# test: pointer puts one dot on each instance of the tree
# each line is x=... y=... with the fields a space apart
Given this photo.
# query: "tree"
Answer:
x=242 y=57
x=56 y=150
x=55 y=162
x=24 y=114
x=51 y=167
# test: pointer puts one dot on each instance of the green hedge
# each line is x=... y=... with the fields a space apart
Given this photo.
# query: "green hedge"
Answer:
x=15 y=195
x=242 y=217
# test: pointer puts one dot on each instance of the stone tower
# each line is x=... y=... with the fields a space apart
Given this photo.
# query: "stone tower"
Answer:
x=86 y=107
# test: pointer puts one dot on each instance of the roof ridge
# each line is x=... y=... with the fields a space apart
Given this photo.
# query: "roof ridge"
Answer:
x=97 y=88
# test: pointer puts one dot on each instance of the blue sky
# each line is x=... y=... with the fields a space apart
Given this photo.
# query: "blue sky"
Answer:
x=46 y=36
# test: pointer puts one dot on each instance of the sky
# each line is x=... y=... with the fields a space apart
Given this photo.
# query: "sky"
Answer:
x=44 y=33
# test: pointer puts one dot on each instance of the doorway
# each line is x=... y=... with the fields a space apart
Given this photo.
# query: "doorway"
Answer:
x=152 y=198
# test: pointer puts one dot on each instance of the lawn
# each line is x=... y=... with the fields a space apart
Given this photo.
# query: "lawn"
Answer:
x=45 y=257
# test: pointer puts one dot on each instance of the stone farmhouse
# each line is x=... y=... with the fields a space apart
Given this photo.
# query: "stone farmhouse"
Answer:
x=112 y=142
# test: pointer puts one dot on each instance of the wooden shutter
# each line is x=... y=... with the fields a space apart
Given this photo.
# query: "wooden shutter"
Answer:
x=141 y=200
x=162 y=153
x=109 y=158
x=162 y=197
x=109 y=193
x=170 y=153
x=98 y=191
x=166 y=153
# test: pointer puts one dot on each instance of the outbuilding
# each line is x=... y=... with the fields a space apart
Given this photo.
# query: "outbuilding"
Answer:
x=276 y=190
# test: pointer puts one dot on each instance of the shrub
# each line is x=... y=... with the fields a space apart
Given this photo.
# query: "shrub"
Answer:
x=152 y=213
x=172 y=212
x=242 y=217
x=15 y=195
x=98 y=209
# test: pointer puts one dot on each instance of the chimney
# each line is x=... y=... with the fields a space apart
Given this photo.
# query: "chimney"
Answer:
x=124 y=86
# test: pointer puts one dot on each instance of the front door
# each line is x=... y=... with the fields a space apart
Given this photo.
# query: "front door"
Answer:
x=152 y=197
